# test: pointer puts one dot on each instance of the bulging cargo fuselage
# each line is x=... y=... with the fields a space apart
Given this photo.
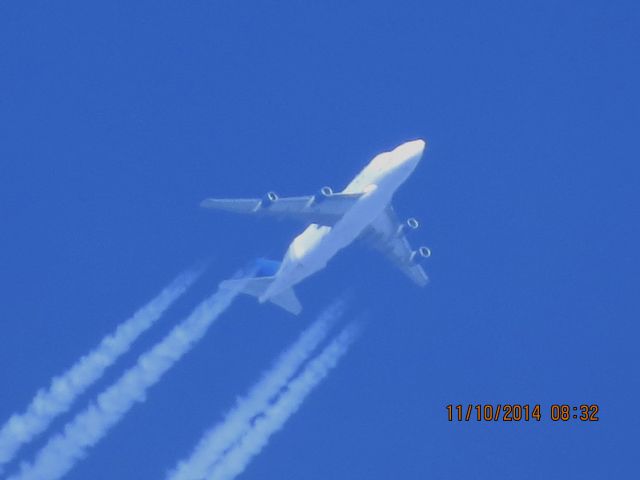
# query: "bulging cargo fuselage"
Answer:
x=310 y=251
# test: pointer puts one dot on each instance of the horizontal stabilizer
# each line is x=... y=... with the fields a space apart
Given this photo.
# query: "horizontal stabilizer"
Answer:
x=288 y=301
x=257 y=286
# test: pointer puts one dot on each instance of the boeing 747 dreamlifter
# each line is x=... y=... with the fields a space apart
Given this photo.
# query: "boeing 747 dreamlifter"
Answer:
x=362 y=210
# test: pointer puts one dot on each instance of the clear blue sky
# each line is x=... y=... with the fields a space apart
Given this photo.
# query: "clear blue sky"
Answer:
x=117 y=118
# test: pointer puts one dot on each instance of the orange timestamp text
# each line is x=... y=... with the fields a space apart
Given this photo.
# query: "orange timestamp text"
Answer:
x=522 y=412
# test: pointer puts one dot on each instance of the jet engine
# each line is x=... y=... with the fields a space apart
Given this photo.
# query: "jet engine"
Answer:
x=269 y=198
x=324 y=193
x=419 y=254
x=411 y=223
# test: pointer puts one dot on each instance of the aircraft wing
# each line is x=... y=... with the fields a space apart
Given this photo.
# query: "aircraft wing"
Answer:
x=323 y=209
x=386 y=234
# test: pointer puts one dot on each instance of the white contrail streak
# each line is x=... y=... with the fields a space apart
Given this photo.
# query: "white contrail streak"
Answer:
x=237 y=422
x=64 y=389
x=64 y=450
x=274 y=418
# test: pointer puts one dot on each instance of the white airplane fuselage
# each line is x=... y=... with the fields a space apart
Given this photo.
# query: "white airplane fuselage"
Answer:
x=310 y=251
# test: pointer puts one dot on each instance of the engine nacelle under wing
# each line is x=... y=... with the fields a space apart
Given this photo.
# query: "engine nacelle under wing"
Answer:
x=420 y=254
x=268 y=199
x=324 y=193
x=411 y=223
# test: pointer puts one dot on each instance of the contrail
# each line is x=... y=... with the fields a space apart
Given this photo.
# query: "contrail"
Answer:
x=64 y=450
x=237 y=422
x=274 y=418
x=64 y=389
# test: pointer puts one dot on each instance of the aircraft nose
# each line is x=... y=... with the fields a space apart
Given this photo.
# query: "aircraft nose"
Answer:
x=416 y=147
x=412 y=152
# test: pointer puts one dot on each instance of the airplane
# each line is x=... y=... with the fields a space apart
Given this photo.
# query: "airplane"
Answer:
x=335 y=219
